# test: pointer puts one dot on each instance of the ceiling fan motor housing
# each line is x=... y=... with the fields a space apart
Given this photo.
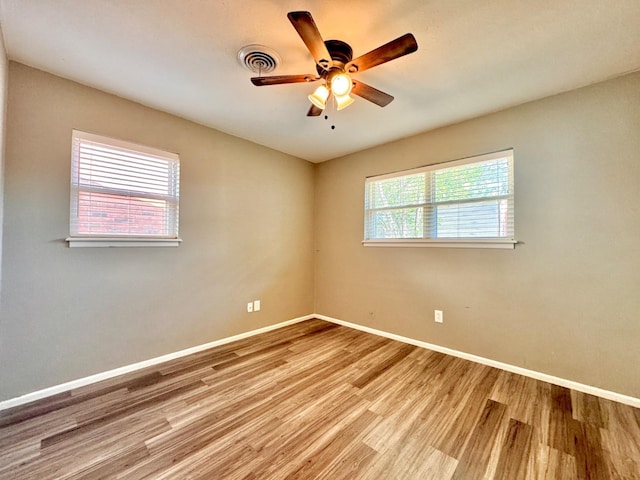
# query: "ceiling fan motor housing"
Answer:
x=341 y=54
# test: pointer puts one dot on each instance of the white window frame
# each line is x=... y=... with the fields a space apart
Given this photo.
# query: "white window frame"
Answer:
x=77 y=239
x=507 y=242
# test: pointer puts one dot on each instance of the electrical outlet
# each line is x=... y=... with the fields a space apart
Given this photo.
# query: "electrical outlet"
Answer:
x=250 y=307
x=256 y=305
x=438 y=316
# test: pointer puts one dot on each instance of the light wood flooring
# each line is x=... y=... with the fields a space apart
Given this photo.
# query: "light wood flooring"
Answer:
x=320 y=401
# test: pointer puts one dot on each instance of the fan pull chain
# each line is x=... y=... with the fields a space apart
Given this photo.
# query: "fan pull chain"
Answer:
x=326 y=117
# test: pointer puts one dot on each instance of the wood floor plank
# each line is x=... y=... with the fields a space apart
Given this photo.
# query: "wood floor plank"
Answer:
x=127 y=408
x=383 y=366
x=258 y=355
x=547 y=463
x=232 y=461
x=308 y=438
x=519 y=394
x=36 y=409
x=586 y=409
x=410 y=460
x=515 y=452
x=17 y=454
x=328 y=461
x=349 y=463
x=400 y=426
x=315 y=400
x=388 y=382
x=36 y=428
x=100 y=453
x=590 y=459
x=474 y=462
x=562 y=426
x=620 y=440
x=469 y=405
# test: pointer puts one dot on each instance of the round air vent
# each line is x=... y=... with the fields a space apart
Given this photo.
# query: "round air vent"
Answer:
x=258 y=58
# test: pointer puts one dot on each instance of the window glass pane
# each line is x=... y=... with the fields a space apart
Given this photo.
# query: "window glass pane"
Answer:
x=472 y=220
x=398 y=223
x=100 y=213
x=476 y=180
x=101 y=165
x=399 y=191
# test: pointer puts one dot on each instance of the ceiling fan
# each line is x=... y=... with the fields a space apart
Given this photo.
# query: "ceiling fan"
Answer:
x=335 y=65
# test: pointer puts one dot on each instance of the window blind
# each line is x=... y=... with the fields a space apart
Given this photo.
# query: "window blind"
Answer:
x=469 y=199
x=119 y=189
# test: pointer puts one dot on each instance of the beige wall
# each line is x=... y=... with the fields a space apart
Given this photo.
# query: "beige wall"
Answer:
x=564 y=302
x=246 y=218
x=567 y=300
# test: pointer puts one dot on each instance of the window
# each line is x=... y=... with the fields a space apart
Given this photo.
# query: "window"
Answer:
x=464 y=203
x=122 y=194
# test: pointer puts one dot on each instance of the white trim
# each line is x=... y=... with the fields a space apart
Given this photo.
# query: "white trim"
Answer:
x=124 y=144
x=420 y=242
x=429 y=204
x=484 y=157
x=580 y=387
x=122 y=242
x=121 y=170
x=81 y=382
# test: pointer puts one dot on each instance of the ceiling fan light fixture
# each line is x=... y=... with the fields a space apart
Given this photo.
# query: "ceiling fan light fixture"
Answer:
x=341 y=84
x=343 y=101
x=319 y=97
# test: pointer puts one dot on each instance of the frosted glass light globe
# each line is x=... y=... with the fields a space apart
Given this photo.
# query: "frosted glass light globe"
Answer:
x=341 y=84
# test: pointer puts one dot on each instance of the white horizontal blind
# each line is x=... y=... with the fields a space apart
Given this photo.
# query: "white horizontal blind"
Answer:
x=119 y=189
x=461 y=200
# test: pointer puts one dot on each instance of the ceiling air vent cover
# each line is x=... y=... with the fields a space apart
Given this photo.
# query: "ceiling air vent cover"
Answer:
x=258 y=58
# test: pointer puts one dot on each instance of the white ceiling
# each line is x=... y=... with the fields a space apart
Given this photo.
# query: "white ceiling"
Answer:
x=179 y=56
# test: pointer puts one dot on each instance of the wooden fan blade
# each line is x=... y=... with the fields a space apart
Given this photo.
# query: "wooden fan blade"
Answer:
x=308 y=31
x=314 y=111
x=278 y=79
x=372 y=94
x=389 y=51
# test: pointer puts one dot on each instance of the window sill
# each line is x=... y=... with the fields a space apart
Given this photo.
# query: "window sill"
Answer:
x=448 y=243
x=122 y=242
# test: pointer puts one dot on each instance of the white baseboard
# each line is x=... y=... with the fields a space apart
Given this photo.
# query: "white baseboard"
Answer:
x=47 y=392
x=580 y=387
x=81 y=382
